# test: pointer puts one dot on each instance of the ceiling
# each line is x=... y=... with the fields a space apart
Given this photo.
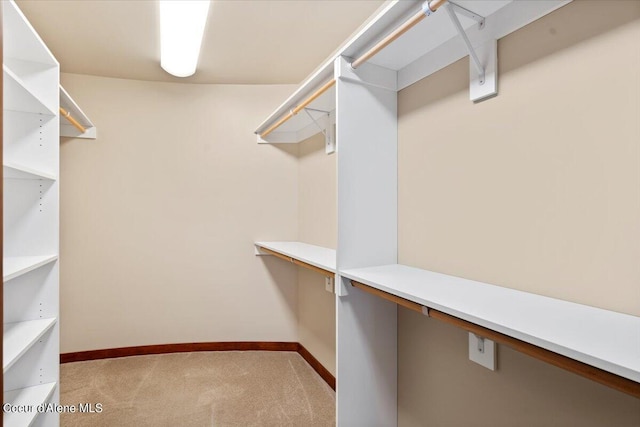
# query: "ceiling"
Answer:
x=246 y=41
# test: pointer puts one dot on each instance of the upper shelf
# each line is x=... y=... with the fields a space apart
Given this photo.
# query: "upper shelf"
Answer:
x=66 y=127
x=601 y=338
x=317 y=256
x=426 y=48
x=305 y=124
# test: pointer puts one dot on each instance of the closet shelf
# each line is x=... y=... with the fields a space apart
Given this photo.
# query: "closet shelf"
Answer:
x=307 y=121
x=67 y=128
x=20 y=336
x=424 y=49
x=17 y=266
x=303 y=254
x=605 y=339
x=28 y=396
x=19 y=98
x=12 y=171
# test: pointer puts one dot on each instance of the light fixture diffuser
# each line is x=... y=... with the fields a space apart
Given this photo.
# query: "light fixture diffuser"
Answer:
x=182 y=25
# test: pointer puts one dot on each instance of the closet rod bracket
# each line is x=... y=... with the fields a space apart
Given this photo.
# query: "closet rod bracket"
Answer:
x=469 y=14
x=483 y=57
x=467 y=42
x=326 y=127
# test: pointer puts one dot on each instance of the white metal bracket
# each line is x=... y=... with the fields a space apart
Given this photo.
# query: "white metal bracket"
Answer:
x=257 y=251
x=326 y=127
x=469 y=14
x=343 y=286
x=483 y=59
x=482 y=351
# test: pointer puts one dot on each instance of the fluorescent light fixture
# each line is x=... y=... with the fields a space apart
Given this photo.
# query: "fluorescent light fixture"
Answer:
x=182 y=25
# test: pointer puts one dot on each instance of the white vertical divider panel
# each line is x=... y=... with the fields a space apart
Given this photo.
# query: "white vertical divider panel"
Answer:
x=366 y=131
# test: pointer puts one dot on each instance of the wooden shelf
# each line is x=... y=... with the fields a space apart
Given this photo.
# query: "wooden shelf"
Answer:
x=17 y=266
x=19 y=98
x=604 y=339
x=12 y=171
x=28 y=396
x=66 y=128
x=20 y=336
x=304 y=253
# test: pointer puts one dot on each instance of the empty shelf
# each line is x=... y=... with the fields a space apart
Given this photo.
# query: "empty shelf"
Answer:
x=12 y=171
x=19 y=98
x=316 y=256
x=20 y=336
x=29 y=397
x=17 y=266
x=605 y=339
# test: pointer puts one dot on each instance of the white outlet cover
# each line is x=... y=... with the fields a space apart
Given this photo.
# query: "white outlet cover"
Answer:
x=485 y=357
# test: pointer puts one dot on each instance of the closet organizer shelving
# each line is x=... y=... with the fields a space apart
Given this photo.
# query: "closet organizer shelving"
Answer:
x=31 y=145
x=31 y=206
x=359 y=84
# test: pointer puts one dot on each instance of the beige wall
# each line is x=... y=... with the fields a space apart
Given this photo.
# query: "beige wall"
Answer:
x=537 y=190
x=317 y=218
x=158 y=217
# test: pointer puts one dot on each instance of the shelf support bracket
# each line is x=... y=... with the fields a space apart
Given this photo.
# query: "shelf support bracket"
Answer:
x=469 y=14
x=485 y=82
x=326 y=128
x=482 y=351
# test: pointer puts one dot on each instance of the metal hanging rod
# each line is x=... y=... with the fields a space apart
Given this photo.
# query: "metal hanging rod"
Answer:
x=67 y=115
x=427 y=9
x=300 y=107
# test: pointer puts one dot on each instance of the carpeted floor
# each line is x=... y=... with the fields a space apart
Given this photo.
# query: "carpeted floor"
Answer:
x=248 y=388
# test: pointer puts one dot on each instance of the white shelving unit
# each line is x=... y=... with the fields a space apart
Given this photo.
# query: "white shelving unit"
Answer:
x=31 y=217
x=365 y=107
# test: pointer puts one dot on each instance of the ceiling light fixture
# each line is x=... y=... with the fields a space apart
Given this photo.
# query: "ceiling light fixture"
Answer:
x=182 y=25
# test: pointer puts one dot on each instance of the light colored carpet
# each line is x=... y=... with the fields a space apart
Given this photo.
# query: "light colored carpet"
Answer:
x=230 y=388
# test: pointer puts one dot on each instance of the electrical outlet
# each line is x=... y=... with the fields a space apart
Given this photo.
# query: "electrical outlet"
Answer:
x=482 y=351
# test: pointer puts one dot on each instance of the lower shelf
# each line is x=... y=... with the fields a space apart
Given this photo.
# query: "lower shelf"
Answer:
x=20 y=336
x=27 y=401
x=599 y=338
